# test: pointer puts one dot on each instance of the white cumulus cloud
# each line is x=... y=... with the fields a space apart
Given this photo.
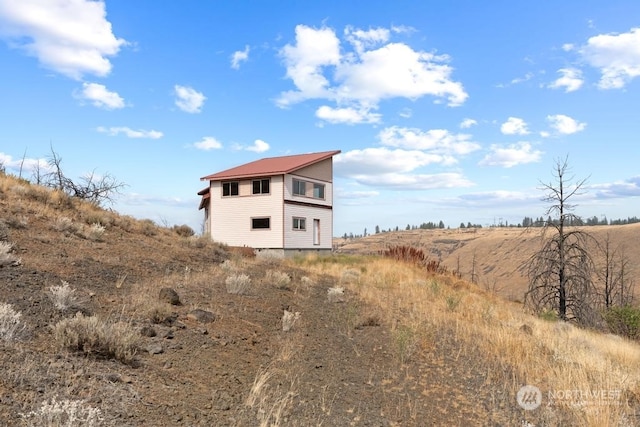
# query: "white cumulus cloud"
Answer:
x=570 y=80
x=100 y=96
x=208 y=143
x=435 y=140
x=514 y=126
x=130 y=133
x=467 y=123
x=511 y=155
x=375 y=69
x=188 y=99
x=71 y=37
x=347 y=115
x=616 y=56
x=239 y=56
x=259 y=146
x=565 y=125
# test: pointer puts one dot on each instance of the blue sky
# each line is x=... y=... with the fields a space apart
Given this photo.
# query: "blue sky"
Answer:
x=451 y=111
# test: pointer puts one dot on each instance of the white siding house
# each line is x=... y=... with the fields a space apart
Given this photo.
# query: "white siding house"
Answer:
x=282 y=204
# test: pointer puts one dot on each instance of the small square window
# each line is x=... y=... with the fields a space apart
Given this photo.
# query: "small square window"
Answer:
x=299 y=224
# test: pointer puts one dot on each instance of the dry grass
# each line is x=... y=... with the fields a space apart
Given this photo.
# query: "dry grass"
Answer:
x=10 y=323
x=6 y=257
x=238 y=284
x=553 y=356
x=64 y=413
x=97 y=337
x=63 y=296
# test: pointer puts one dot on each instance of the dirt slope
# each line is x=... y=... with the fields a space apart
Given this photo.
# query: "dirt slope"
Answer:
x=336 y=366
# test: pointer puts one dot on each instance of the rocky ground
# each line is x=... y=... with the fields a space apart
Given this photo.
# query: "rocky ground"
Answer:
x=211 y=357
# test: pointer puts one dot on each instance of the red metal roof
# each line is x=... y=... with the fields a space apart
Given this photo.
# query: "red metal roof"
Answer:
x=271 y=166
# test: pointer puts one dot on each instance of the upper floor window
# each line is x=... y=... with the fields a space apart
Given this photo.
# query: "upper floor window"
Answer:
x=299 y=188
x=261 y=186
x=316 y=190
x=231 y=188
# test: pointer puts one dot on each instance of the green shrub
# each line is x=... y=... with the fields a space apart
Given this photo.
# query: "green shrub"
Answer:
x=624 y=320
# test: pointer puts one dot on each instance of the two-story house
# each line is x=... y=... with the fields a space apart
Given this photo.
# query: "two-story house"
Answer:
x=280 y=204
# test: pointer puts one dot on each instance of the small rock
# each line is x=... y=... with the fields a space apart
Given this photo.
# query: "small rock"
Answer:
x=148 y=331
x=526 y=329
x=169 y=295
x=155 y=348
x=168 y=334
x=202 y=316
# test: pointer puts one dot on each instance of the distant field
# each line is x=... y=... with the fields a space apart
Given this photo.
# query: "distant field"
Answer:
x=495 y=258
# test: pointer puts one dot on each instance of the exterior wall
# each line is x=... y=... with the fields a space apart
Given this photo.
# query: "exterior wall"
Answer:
x=231 y=216
x=304 y=239
x=288 y=191
x=322 y=171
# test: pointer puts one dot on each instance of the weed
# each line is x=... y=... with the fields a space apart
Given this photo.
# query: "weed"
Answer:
x=10 y=324
x=94 y=336
x=279 y=279
x=452 y=302
x=289 y=319
x=64 y=413
x=65 y=225
x=238 y=284
x=62 y=296
x=406 y=342
x=95 y=232
x=335 y=294
x=6 y=257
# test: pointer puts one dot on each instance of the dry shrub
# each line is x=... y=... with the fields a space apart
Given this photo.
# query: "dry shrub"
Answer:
x=157 y=312
x=279 y=279
x=94 y=232
x=335 y=294
x=148 y=227
x=183 y=230
x=11 y=325
x=289 y=318
x=97 y=337
x=243 y=251
x=64 y=224
x=238 y=284
x=64 y=413
x=63 y=296
x=6 y=257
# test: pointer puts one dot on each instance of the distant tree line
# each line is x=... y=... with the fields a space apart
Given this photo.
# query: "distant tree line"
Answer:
x=526 y=222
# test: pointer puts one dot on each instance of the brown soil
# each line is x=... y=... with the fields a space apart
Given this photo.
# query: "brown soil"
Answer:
x=337 y=366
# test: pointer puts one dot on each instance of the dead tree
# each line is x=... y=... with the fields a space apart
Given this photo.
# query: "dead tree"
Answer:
x=560 y=272
x=617 y=289
x=95 y=189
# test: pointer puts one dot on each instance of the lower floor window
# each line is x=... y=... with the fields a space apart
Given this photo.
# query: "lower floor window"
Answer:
x=260 y=223
x=299 y=224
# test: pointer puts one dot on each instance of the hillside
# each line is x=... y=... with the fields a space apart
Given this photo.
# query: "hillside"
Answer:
x=91 y=328
x=499 y=254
